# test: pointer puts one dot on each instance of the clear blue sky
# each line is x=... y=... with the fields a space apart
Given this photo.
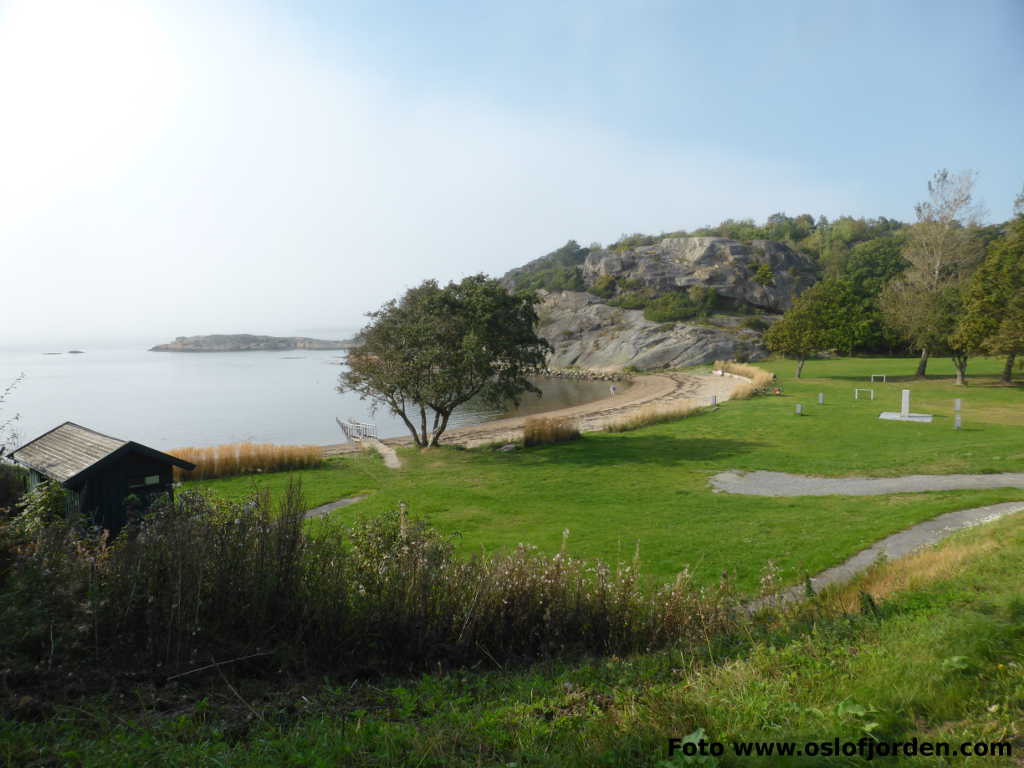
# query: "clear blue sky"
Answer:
x=231 y=166
x=873 y=95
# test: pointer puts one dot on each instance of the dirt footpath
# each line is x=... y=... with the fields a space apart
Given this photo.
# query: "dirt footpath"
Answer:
x=651 y=390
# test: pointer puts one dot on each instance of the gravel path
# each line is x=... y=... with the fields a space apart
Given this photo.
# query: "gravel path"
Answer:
x=323 y=509
x=903 y=543
x=762 y=483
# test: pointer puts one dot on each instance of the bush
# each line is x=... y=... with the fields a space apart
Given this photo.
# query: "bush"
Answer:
x=204 y=580
x=540 y=430
x=670 y=308
x=754 y=323
x=604 y=286
x=631 y=300
x=13 y=484
x=245 y=458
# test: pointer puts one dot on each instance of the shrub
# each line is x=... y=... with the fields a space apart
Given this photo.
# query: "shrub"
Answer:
x=204 y=580
x=245 y=458
x=604 y=286
x=754 y=323
x=13 y=483
x=670 y=308
x=541 y=430
x=631 y=300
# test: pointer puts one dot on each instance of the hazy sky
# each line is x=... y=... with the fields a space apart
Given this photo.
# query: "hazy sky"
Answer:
x=195 y=167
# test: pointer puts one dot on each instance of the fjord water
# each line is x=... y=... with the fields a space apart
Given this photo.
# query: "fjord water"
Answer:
x=169 y=400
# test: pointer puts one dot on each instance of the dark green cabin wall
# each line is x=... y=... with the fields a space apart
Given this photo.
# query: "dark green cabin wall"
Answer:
x=104 y=491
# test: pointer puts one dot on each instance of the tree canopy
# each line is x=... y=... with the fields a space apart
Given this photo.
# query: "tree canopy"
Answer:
x=993 y=317
x=424 y=355
x=817 y=321
x=943 y=248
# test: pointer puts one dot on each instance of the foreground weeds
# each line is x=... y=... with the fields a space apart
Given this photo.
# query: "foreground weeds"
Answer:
x=203 y=581
x=941 y=662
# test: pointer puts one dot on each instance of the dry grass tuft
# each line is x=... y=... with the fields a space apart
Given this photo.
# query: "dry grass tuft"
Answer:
x=760 y=379
x=245 y=458
x=540 y=430
x=907 y=573
x=653 y=414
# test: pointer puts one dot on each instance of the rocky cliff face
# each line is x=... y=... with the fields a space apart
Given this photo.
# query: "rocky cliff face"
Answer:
x=586 y=332
x=244 y=342
x=726 y=265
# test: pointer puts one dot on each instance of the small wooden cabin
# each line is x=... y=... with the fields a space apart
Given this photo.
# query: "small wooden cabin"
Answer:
x=99 y=472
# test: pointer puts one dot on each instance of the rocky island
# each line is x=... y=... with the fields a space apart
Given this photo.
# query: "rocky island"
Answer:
x=245 y=342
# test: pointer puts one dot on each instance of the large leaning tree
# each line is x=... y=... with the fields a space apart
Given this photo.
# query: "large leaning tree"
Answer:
x=427 y=353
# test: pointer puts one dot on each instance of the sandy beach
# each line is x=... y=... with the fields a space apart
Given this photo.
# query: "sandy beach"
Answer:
x=650 y=390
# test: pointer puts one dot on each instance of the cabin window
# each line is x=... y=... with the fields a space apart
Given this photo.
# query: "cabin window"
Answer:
x=142 y=482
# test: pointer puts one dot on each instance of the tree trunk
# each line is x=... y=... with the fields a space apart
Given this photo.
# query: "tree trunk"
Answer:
x=922 y=364
x=411 y=427
x=1007 y=376
x=800 y=367
x=960 y=361
x=438 y=431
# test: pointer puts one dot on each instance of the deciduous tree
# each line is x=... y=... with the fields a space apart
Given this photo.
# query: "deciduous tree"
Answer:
x=941 y=251
x=993 y=317
x=816 y=322
x=424 y=355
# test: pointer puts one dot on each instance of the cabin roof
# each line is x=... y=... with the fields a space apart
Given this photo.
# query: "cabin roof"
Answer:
x=69 y=451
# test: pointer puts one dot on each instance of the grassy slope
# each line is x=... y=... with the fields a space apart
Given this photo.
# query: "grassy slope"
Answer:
x=944 y=661
x=650 y=487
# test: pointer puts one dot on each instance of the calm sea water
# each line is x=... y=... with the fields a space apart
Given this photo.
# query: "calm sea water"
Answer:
x=170 y=400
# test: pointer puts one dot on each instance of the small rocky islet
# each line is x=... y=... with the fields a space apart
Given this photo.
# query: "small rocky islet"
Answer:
x=246 y=342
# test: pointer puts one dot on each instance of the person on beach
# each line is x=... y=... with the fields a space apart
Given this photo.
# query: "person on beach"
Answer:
x=613 y=389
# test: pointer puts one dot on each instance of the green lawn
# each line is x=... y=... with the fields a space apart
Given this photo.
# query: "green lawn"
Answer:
x=650 y=487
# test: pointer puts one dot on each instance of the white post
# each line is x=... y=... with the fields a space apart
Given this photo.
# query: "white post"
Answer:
x=821 y=398
x=956 y=421
x=905 y=405
x=799 y=409
x=956 y=405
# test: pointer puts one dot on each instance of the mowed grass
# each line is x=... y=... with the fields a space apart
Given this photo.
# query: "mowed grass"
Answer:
x=649 y=488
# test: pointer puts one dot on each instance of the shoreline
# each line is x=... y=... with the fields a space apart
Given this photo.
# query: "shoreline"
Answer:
x=646 y=390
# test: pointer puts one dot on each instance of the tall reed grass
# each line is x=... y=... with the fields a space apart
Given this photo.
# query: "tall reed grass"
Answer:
x=203 y=581
x=652 y=414
x=760 y=379
x=245 y=458
x=542 y=430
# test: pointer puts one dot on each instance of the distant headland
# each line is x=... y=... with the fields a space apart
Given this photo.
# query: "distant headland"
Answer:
x=245 y=342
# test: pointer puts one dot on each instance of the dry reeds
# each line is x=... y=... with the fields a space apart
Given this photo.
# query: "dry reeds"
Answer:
x=541 y=430
x=760 y=379
x=244 y=459
x=652 y=414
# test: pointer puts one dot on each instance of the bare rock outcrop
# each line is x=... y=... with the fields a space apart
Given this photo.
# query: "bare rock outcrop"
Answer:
x=728 y=266
x=584 y=331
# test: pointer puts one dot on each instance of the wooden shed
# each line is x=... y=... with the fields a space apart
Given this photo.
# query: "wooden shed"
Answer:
x=99 y=472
